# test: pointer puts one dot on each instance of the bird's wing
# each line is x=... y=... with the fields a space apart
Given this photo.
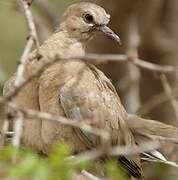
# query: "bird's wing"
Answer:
x=92 y=96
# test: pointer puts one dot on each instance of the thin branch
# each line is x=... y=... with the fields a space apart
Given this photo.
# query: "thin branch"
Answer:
x=85 y=125
x=128 y=150
x=124 y=58
x=92 y=57
x=118 y=151
x=155 y=142
x=32 y=40
x=30 y=22
x=20 y=71
x=170 y=94
x=18 y=123
x=89 y=175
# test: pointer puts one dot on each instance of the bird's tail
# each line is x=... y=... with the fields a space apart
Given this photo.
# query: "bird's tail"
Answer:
x=145 y=128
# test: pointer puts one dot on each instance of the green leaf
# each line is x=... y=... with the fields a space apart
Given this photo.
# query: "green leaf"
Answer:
x=114 y=171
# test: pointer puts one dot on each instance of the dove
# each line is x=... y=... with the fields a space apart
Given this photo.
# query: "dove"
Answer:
x=77 y=90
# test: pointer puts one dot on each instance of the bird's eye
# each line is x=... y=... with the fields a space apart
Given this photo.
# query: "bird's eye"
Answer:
x=88 y=18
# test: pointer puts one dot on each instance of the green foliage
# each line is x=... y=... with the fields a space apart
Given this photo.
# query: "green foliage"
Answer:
x=115 y=172
x=24 y=164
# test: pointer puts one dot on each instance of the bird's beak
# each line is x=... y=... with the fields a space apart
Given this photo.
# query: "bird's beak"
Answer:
x=108 y=32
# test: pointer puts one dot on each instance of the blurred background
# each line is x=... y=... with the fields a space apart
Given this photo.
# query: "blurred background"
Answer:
x=148 y=30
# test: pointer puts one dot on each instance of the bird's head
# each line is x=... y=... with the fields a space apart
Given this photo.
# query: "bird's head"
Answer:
x=83 y=19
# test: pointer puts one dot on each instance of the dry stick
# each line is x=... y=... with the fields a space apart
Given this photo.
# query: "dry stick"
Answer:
x=89 y=175
x=30 y=22
x=123 y=150
x=92 y=57
x=134 y=40
x=17 y=129
x=85 y=125
x=170 y=94
x=156 y=143
x=118 y=151
x=124 y=58
x=32 y=40
x=20 y=70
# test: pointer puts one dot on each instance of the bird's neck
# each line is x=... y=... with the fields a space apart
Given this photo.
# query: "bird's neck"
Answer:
x=65 y=45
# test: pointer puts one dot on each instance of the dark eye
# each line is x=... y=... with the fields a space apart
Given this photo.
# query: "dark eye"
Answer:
x=88 y=18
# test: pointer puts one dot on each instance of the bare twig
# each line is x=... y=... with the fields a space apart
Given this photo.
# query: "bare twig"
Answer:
x=126 y=150
x=18 y=122
x=19 y=78
x=118 y=151
x=30 y=22
x=89 y=175
x=124 y=58
x=85 y=125
x=170 y=94
x=92 y=57
x=32 y=40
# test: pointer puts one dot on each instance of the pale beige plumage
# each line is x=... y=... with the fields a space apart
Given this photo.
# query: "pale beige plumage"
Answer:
x=73 y=89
